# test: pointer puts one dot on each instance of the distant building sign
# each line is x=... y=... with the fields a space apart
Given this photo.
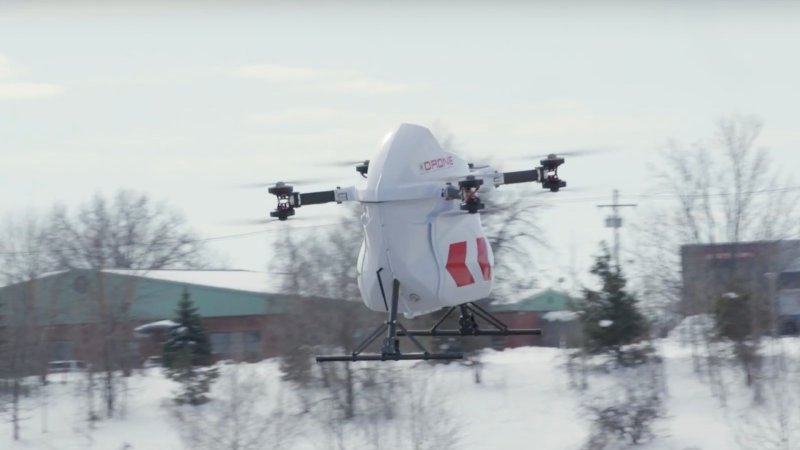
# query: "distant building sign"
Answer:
x=730 y=255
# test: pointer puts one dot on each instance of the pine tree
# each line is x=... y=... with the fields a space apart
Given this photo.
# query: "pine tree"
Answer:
x=187 y=355
x=610 y=317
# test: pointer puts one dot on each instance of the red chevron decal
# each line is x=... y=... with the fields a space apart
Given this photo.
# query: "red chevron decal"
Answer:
x=483 y=259
x=457 y=264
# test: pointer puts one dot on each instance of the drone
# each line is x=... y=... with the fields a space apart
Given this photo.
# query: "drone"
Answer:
x=422 y=239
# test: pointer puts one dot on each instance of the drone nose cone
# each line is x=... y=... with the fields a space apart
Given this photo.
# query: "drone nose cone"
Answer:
x=410 y=163
x=412 y=128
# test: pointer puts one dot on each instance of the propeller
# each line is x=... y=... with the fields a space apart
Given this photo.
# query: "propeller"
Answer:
x=342 y=163
x=579 y=152
x=295 y=218
x=288 y=182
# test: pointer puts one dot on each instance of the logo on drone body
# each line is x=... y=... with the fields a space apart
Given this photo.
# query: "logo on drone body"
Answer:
x=435 y=164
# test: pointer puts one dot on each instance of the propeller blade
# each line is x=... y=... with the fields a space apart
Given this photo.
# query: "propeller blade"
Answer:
x=293 y=182
x=317 y=219
x=577 y=152
x=570 y=152
x=247 y=222
x=266 y=220
x=341 y=163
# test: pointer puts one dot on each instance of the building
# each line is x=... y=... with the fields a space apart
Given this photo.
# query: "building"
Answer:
x=759 y=269
x=788 y=297
x=549 y=310
x=81 y=314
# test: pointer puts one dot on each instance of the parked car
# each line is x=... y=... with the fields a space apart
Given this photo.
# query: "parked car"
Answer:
x=67 y=366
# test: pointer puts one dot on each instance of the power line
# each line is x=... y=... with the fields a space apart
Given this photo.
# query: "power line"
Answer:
x=207 y=239
x=668 y=196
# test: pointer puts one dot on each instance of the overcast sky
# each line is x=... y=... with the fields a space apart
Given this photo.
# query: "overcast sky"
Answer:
x=185 y=101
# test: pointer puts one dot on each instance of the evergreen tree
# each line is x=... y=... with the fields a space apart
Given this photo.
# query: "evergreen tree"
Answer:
x=610 y=317
x=187 y=355
x=737 y=314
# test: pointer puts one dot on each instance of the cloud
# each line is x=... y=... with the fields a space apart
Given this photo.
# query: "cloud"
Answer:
x=14 y=91
x=12 y=88
x=298 y=115
x=6 y=68
x=334 y=80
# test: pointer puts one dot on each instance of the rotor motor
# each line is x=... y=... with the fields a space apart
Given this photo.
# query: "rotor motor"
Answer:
x=469 y=194
x=287 y=199
x=549 y=173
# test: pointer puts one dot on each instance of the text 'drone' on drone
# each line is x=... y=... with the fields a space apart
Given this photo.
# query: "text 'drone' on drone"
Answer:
x=423 y=248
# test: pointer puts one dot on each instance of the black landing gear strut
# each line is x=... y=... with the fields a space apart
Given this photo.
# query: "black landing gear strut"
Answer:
x=390 y=351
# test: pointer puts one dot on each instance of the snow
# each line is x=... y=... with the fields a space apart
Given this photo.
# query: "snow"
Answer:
x=560 y=316
x=523 y=401
x=692 y=327
x=160 y=325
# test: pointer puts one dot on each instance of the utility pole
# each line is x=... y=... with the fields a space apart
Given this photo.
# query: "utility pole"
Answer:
x=615 y=221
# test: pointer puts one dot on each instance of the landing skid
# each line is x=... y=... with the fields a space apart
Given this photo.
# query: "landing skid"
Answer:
x=468 y=326
x=390 y=351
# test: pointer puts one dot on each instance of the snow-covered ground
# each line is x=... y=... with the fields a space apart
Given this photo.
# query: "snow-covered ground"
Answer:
x=523 y=401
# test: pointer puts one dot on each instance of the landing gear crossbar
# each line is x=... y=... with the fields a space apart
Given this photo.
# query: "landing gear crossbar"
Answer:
x=468 y=326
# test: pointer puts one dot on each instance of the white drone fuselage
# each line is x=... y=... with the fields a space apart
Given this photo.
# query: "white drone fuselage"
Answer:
x=415 y=233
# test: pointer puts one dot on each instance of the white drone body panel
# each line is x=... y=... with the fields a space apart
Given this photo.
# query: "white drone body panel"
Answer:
x=415 y=234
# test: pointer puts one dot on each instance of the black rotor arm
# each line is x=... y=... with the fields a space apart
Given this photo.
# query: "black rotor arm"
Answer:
x=547 y=174
x=315 y=198
x=522 y=176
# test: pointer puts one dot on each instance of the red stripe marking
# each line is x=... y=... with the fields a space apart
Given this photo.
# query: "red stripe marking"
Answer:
x=457 y=264
x=483 y=259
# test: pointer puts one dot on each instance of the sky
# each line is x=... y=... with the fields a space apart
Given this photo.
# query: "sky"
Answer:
x=187 y=100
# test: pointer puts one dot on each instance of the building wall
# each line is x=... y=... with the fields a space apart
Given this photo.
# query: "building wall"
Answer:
x=709 y=271
x=70 y=315
x=518 y=320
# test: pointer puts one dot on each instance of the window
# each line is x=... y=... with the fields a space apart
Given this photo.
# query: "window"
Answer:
x=60 y=350
x=236 y=344
x=220 y=343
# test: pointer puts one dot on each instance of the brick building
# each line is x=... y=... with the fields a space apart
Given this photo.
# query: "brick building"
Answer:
x=762 y=270
x=67 y=314
x=543 y=310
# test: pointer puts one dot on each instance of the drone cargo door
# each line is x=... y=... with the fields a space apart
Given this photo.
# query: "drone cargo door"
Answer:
x=464 y=256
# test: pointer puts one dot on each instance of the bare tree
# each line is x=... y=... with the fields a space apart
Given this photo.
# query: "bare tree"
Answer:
x=21 y=348
x=23 y=249
x=724 y=191
x=775 y=423
x=242 y=415
x=322 y=270
x=624 y=404
x=128 y=232
x=23 y=259
x=428 y=420
x=514 y=234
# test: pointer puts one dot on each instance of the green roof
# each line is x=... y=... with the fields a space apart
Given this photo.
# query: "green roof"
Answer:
x=73 y=297
x=548 y=300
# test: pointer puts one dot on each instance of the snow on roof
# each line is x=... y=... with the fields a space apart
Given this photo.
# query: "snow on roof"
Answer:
x=161 y=325
x=238 y=280
x=560 y=316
